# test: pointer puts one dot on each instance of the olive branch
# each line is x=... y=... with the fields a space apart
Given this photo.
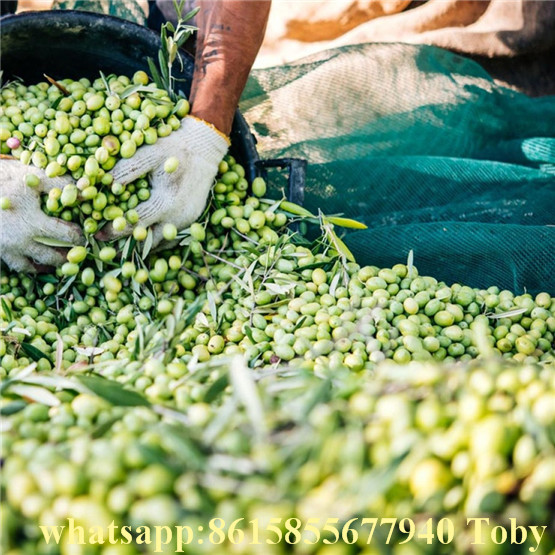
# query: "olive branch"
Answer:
x=172 y=38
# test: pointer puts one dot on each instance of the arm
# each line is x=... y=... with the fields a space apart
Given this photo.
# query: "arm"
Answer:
x=229 y=37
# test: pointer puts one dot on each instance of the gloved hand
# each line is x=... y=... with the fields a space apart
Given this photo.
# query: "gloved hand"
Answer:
x=178 y=197
x=24 y=219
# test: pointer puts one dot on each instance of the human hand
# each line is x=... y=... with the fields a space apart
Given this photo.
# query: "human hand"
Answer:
x=22 y=219
x=177 y=197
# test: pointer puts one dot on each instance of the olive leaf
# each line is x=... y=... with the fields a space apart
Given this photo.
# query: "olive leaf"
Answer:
x=12 y=407
x=201 y=320
x=299 y=323
x=164 y=61
x=216 y=388
x=59 y=353
x=507 y=314
x=57 y=102
x=32 y=352
x=410 y=262
x=112 y=391
x=212 y=305
x=128 y=91
x=277 y=289
x=76 y=295
x=147 y=244
x=66 y=286
x=105 y=83
x=35 y=393
x=274 y=204
x=49 y=242
x=334 y=283
x=155 y=74
x=47 y=278
x=338 y=244
x=295 y=209
x=19 y=374
x=318 y=395
x=248 y=332
x=325 y=265
x=245 y=389
x=378 y=480
x=51 y=381
x=345 y=222
x=170 y=325
x=96 y=251
x=6 y=309
x=479 y=336
x=16 y=376
x=129 y=244
x=101 y=429
x=175 y=440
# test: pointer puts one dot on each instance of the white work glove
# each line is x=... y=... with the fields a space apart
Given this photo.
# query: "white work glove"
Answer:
x=24 y=220
x=180 y=197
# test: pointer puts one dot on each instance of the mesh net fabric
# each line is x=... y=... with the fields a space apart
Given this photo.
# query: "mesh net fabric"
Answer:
x=422 y=146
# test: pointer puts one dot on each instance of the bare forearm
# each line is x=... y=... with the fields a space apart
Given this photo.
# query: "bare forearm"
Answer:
x=230 y=35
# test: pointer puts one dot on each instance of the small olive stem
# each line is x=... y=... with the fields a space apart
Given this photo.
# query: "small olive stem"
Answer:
x=57 y=85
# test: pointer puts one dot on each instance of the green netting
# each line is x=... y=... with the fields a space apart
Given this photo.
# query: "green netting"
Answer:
x=423 y=147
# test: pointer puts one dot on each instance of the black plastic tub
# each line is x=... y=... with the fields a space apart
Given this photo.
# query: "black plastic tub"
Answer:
x=75 y=44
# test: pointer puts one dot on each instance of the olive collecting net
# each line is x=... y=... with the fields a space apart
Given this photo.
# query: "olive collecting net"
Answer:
x=423 y=147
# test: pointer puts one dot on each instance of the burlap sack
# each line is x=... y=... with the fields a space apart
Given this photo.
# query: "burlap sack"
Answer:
x=513 y=39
